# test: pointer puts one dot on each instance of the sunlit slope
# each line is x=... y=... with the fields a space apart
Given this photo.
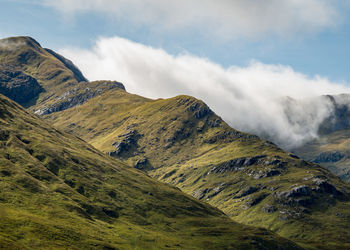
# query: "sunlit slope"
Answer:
x=182 y=142
x=56 y=191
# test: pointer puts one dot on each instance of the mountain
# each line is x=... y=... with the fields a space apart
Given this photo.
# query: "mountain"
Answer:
x=56 y=191
x=182 y=142
x=332 y=148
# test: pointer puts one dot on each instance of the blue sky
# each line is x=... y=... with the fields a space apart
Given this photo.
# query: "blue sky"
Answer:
x=322 y=50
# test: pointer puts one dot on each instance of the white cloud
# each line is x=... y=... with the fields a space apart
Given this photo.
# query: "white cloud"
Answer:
x=10 y=45
x=227 y=19
x=251 y=98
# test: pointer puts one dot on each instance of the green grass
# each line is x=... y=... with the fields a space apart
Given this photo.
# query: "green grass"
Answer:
x=182 y=149
x=56 y=191
x=180 y=141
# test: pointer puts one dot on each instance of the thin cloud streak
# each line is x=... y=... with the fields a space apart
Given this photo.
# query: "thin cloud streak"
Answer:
x=224 y=19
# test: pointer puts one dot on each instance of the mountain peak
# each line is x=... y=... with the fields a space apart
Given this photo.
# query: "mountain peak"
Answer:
x=18 y=41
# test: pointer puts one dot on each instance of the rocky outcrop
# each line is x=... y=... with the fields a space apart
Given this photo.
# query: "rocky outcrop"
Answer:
x=18 y=86
x=323 y=186
x=227 y=136
x=328 y=157
x=298 y=191
x=143 y=164
x=78 y=96
x=199 y=110
x=306 y=195
x=200 y=193
x=237 y=164
x=125 y=143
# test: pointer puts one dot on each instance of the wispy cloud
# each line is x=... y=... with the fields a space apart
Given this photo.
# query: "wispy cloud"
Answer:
x=225 y=19
x=10 y=45
x=251 y=98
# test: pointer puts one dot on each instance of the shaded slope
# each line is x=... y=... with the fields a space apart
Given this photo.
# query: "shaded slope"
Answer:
x=56 y=191
x=182 y=142
x=332 y=151
x=332 y=148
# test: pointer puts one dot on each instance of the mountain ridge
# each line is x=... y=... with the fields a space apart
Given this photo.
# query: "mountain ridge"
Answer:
x=180 y=141
x=57 y=191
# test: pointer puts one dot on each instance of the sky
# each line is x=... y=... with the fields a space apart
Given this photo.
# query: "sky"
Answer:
x=244 y=58
x=311 y=36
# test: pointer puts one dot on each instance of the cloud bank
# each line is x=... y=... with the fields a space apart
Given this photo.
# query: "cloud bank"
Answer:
x=225 y=19
x=259 y=98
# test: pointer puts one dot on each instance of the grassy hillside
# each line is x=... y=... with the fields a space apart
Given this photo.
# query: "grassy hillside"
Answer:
x=182 y=142
x=179 y=141
x=56 y=191
x=52 y=72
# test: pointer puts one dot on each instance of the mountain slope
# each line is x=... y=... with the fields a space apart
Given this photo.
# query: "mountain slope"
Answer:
x=332 y=148
x=182 y=142
x=56 y=191
x=331 y=151
x=41 y=79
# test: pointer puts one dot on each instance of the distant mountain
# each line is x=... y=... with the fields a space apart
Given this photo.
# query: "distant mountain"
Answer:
x=332 y=148
x=181 y=141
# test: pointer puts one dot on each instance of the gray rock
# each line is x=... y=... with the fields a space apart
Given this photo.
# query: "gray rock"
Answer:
x=126 y=142
x=71 y=98
x=18 y=86
x=269 y=208
x=327 y=157
x=295 y=192
x=323 y=186
x=200 y=193
x=237 y=164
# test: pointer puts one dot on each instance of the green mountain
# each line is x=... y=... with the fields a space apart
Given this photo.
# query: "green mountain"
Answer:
x=57 y=191
x=180 y=141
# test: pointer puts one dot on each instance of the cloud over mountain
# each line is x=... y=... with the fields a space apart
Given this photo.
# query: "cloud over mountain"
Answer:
x=258 y=98
x=225 y=19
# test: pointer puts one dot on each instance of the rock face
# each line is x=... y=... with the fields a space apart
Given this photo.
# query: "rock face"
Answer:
x=18 y=86
x=199 y=111
x=237 y=164
x=339 y=119
x=326 y=157
x=303 y=196
x=273 y=166
x=125 y=143
x=79 y=95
